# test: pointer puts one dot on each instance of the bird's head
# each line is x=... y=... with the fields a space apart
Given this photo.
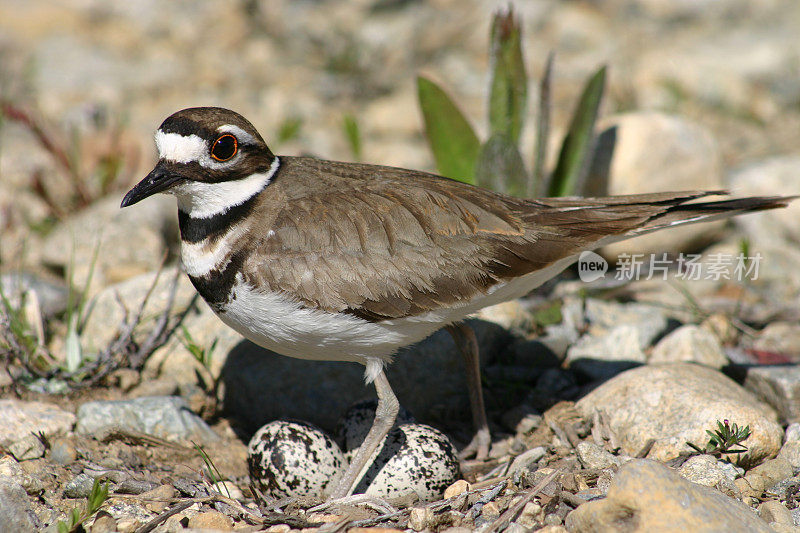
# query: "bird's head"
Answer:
x=208 y=157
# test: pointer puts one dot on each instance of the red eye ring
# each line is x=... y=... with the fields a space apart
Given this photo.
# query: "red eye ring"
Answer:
x=224 y=148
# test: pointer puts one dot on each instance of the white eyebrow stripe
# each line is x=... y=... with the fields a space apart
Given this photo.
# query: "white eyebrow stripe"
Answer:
x=241 y=135
x=180 y=148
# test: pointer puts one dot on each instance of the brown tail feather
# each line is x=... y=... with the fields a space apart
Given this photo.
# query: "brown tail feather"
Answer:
x=689 y=213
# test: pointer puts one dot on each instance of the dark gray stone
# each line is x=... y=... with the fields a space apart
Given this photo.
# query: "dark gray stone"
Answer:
x=428 y=379
x=79 y=487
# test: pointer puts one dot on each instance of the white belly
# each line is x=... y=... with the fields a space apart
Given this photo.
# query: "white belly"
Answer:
x=276 y=322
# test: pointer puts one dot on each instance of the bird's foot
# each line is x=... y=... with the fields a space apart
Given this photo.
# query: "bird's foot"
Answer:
x=478 y=447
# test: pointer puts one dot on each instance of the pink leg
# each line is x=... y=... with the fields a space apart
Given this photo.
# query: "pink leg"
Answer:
x=468 y=346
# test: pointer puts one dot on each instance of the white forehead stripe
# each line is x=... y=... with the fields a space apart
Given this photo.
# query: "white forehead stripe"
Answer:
x=204 y=200
x=180 y=148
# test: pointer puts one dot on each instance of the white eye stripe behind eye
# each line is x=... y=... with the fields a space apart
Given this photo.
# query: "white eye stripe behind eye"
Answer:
x=242 y=136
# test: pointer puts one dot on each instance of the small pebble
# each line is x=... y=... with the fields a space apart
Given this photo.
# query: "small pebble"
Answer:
x=374 y=530
x=490 y=510
x=530 y=515
x=526 y=460
x=229 y=489
x=596 y=457
x=419 y=518
x=63 y=452
x=210 y=520
x=516 y=527
x=553 y=520
x=157 y=499
x=104 y=523
x=459 y=487
x=774 y=511
x=79 y=487
x=768 y=474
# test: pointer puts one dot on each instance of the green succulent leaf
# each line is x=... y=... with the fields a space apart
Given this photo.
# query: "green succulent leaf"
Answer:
x=289 y=129
x=537 y=185
x=509 y=90
x=353 y=134
x=575 y=150
x=72 y=345
x=453 y=141
x=500 y=167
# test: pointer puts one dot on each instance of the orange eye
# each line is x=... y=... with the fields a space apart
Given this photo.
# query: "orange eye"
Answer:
x=224 y=148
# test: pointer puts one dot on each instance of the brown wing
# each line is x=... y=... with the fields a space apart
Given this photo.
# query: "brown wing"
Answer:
x=386 y=243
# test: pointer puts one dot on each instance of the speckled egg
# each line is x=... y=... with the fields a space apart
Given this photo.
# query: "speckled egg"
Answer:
x=414 y=459
x=357 y=421
x=292 y=458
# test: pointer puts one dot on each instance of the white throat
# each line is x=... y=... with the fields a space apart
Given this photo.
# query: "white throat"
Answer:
x=204 y=200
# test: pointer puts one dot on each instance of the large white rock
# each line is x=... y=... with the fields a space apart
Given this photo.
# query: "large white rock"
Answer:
x=675 y=404
x=648 y=496
x=647 y=151
x=770 y=177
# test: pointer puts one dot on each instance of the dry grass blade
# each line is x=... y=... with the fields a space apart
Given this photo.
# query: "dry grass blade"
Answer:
x=58 y=152
x=24 y=362
x=511 y=513
x=248 y=514
x=378 y=504
x=157 y=521
x=646 y=448
x=372 y=522
x=138 y=438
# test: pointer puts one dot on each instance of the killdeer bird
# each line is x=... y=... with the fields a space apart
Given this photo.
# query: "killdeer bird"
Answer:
x=349 y=262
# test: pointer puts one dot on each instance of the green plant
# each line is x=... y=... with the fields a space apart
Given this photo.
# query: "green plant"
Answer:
x=726 y=438
x=97 y=496
x=15 y=330
x=548 y=314
x=77 y=314
x=289 y=129
x=32 y=364
x=201 y=354
x=497 y=163
x=215 y=478
x=352 y=133
x=450 y=136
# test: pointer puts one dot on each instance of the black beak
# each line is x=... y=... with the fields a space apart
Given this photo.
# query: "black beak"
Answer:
x=159 y=179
